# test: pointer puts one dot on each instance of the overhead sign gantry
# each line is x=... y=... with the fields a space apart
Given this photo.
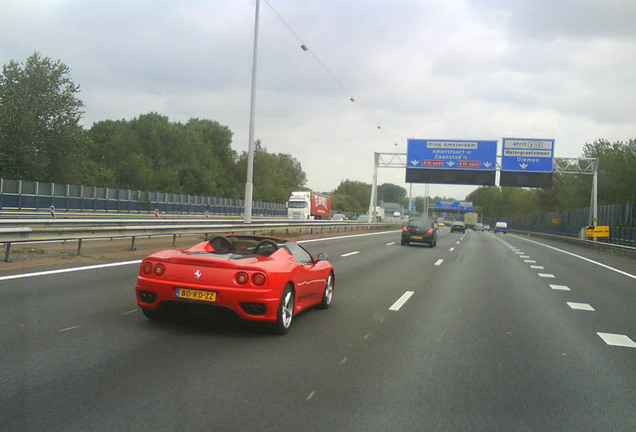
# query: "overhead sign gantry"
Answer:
x=451 y=161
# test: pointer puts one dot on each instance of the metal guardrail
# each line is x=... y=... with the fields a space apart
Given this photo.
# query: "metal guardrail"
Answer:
x=21 y=231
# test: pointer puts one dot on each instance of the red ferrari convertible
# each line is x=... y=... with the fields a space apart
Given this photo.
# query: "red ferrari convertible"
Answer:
x=260 y=278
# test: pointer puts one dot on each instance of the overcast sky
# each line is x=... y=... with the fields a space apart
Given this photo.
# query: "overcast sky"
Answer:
x=482 y=69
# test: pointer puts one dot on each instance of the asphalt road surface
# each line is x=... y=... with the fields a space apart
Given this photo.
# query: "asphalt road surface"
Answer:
x=484 y=332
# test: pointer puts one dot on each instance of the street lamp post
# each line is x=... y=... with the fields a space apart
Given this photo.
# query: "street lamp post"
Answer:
x=249 y=183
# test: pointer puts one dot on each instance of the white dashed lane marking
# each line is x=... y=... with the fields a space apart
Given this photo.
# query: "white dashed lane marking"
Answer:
x=560 y=287
x=400 y=302
x=439 y=262
x=348 y=254
x=609 y=338
x=581 y=306
x=70 y=328
x=617 y=340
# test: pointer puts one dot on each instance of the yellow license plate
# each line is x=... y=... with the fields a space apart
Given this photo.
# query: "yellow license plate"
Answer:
x=417 y=237
x=190 y=294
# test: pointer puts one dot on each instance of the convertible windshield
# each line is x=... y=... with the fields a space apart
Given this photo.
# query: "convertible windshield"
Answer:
x=235 y=247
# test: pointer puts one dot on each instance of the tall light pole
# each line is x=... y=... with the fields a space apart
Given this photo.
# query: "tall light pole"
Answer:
x=249 y=183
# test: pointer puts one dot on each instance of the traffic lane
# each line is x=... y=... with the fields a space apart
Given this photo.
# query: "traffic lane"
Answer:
x=599 y=296
x=483 y=347
x=95 y=362
x=366 y=282
x=37 y=313
x=620 y=262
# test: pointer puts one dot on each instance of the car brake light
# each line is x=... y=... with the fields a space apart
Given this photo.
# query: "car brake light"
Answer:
x=405 y=229
x=160 y=269
x=146 y=267
x=258 y=279
x=430 y=231
x=242 y=278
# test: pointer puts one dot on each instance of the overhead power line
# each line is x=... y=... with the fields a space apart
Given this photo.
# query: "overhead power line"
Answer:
x=305 y=48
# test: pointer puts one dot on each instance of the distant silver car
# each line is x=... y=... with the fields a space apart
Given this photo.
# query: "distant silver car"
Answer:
x=339 y=217
x=479 y=227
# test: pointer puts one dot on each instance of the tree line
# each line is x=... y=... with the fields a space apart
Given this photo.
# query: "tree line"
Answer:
x=41 y=139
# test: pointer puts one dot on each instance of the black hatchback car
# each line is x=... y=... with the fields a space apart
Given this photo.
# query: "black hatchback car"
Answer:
x=420 y=231
x=458 y=226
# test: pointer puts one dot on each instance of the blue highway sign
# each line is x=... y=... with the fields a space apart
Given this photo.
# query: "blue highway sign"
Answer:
x=447 y=205
x=527 y=155
x=451 y=154
x=466 y=205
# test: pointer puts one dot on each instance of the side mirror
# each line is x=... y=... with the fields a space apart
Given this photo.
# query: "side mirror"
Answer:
x=322 y=257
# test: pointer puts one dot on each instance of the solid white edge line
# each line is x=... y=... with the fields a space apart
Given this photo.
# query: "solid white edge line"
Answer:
x=68 y=270
x=400 y=302
x=624 y=273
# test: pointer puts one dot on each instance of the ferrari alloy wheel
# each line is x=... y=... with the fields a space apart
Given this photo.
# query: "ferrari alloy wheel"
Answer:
x=285 y=312
x=327 y=296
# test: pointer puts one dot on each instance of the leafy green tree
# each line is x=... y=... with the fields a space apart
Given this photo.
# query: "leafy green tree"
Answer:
x=40 y=136
x=617 y=170
x=276 y=175
x=419 y=204
x=152 y=153
x=351 y=197
x=391 y=193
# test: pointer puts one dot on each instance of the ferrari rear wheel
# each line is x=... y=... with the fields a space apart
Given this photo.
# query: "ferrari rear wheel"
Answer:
x=327 y=296
x=285 y=312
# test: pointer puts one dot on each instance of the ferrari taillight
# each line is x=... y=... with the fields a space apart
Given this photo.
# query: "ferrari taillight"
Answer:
x=258 y=279
x=160 y=269
x=146 y=267
x=242 y=278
